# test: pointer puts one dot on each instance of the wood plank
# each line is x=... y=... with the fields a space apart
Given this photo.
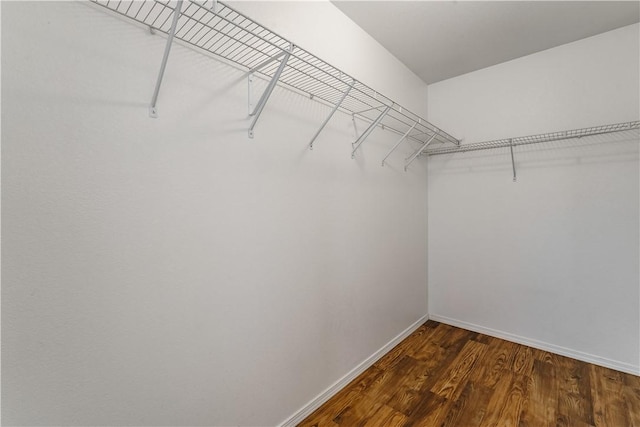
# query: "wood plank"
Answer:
x=416 y=339
x=562 y=421
x=431 y=410
x=430 y=352
x=358 y=412
x=419 y=339
x=386 y=417
x=451 y=338
x=390 y=359
x=499 y=356
x=522 y=363
x=344 y=397
x=469 y=409
x=327 y=412
x=393 y=378
x=540 y=410
x=575 y=400
x=632 y=381
x=631 y=397
x=408 y=392
x=507 y=402
x=431 y=324
x=631 y=394
x=318 y=421
x=433 y=358
x=609 y=405
x=454 y=378
x=545 y=356
x=484 y=339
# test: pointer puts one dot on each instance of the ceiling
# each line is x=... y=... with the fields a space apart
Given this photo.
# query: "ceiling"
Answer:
x=438 y=40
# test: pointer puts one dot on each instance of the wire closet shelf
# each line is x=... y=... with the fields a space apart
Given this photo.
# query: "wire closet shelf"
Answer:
x=218 y=29
x=536 y=139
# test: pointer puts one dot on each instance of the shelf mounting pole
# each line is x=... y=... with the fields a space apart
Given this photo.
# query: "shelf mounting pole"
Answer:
x=153 y=110
x=267 y=92
x=399 y=142
x=420 y=150
x=513 y=162
x=335 y=108
x=355 y=127
x=370 y=129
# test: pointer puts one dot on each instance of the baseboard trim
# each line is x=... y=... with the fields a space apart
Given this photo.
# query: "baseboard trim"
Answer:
x=563 y=351
x=319 y=400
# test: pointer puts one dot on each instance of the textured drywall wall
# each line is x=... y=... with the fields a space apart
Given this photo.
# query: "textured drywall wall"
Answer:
x=172 y=271
x=551 y=259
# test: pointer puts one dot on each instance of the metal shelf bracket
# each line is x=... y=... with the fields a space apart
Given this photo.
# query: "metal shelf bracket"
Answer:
x=335 y=108
x=153 y=109
x=399 y=142
x=267 y=62
x=513 y=162
x=420 y=150
x=367 y=132
x=250 y=77
x=355 y=126
x=267 y=92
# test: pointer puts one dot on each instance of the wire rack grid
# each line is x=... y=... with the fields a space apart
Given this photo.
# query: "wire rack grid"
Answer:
x=535 y=139
x=220 y=30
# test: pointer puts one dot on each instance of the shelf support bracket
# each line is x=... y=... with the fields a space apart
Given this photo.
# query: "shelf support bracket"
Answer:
x=153 y=110
x=406 y=134
x=513 y=162
x=267 y=92
x=370 y=129
x=420 y=150
x=267 y=62
x=335 y=108
x=355 y=127
x=364 y=111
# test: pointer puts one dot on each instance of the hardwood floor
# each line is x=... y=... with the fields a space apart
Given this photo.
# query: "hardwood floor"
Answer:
x=445 y=376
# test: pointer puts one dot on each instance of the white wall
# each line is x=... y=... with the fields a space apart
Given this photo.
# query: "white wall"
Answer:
x=172 y=271
x=553 y=259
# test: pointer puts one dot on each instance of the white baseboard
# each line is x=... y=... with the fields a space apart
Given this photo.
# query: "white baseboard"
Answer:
x=563 y=351
x=319 y=400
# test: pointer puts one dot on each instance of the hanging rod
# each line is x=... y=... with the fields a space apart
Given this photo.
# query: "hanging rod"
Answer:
x=536 y=139
x=215 y=28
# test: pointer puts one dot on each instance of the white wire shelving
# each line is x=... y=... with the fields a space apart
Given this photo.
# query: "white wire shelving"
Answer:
x=534 y=139
x=218 y=29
